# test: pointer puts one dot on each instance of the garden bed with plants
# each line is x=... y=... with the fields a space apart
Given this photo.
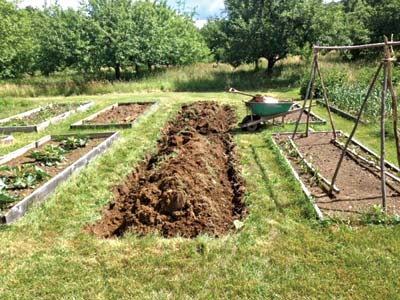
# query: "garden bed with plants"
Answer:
x=118 y=115
x=192 y=185
x=39 y=118
x=359 y=179
x=30 y=174
x=6 y=139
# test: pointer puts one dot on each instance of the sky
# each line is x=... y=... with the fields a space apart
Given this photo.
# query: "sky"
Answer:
x=203 y=8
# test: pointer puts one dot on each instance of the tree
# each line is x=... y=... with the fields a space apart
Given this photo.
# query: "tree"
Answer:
x=17 y=40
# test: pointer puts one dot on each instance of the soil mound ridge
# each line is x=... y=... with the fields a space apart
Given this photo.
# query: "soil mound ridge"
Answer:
x=191 y=186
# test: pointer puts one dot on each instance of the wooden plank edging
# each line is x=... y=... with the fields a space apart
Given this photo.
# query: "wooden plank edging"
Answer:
x=43 y=125
x=296 y=175
x=81 y=123
x=40 y=194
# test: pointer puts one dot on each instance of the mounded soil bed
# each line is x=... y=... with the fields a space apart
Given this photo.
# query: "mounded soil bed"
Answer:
x=121 y=114
x=191 y=186
x=359 y=183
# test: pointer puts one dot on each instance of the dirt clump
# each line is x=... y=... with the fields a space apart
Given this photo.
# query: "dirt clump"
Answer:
x=190 y=186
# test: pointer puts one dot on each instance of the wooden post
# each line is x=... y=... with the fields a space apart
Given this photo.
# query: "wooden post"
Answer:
x=383 y=106
x=307 y=96
x=371 y=87
x=392 y=90
x=325 y=94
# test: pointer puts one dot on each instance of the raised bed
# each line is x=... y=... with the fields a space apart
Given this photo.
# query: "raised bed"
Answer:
x=118 y=115
x=292 y=118
x=6 y=139
x=359 y=179
x=192 y=185
x=32 y=120
x=75 y=159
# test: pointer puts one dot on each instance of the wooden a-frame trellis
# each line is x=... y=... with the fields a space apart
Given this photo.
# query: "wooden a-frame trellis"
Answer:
x=386 y=65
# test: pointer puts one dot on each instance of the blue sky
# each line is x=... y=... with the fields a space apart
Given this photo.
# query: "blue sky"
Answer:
x=204 y=8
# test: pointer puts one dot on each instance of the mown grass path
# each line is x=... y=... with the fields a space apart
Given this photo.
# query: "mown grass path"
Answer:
x=281 y=253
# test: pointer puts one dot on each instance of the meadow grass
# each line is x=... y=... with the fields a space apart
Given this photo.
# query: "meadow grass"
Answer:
x=282 y=252
x=203 y=77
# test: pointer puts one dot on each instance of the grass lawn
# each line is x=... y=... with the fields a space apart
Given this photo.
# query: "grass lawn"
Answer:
x=282 y=252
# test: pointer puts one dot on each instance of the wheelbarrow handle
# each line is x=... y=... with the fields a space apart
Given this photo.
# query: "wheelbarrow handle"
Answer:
x=235 y=91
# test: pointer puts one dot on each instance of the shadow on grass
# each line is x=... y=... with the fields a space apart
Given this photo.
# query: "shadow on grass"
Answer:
x=284 y=78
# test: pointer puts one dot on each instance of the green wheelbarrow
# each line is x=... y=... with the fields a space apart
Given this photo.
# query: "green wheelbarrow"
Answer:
x=263 y=109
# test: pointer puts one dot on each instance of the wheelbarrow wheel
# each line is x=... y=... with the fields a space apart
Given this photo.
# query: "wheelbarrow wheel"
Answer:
x=249 y=119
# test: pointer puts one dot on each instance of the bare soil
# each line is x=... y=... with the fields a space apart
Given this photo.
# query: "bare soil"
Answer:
x=191 y=186
x=70 y=158
x=359 y=184
x=121 y=114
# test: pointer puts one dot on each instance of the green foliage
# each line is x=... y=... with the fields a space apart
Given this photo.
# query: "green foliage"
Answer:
x=377 y=216
x=100 y=34
x=50 y=156
x=20 y=177
x=73 y=142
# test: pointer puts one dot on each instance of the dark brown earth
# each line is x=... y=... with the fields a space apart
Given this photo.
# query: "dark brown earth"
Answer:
x=120 y=114
x=360 y=185
x=191 y=186
x=70 y=158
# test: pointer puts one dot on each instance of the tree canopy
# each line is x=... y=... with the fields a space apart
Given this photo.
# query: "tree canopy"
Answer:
x=274 y=29
x=100 y=34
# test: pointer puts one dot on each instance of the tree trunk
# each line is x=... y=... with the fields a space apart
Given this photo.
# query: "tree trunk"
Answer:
x=117 y=71
x=271 y=63
x=257 y=68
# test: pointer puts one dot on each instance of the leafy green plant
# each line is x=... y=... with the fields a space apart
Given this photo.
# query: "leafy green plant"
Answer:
x=20 y=177
x=74 y=142
x=50 y=156
x=5 y=197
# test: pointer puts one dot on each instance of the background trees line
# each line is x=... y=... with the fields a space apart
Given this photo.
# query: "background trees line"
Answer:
x=101 y=34
x=274 y=29
x=138 y=35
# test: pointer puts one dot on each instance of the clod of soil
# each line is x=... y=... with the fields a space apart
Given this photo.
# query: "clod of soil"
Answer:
x=191 y=186
x=121 y=114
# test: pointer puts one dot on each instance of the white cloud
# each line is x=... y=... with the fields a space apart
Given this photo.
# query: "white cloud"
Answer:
x=200 y=23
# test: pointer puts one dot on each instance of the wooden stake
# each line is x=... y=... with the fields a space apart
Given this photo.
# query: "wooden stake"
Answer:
x=392 y=90
x=325 y=94
x=308 y=94
x=371 y=87
x=366 y=46
x=383 y=107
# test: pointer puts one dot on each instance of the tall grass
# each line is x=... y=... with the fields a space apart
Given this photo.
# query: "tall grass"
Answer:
x=195 y=78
